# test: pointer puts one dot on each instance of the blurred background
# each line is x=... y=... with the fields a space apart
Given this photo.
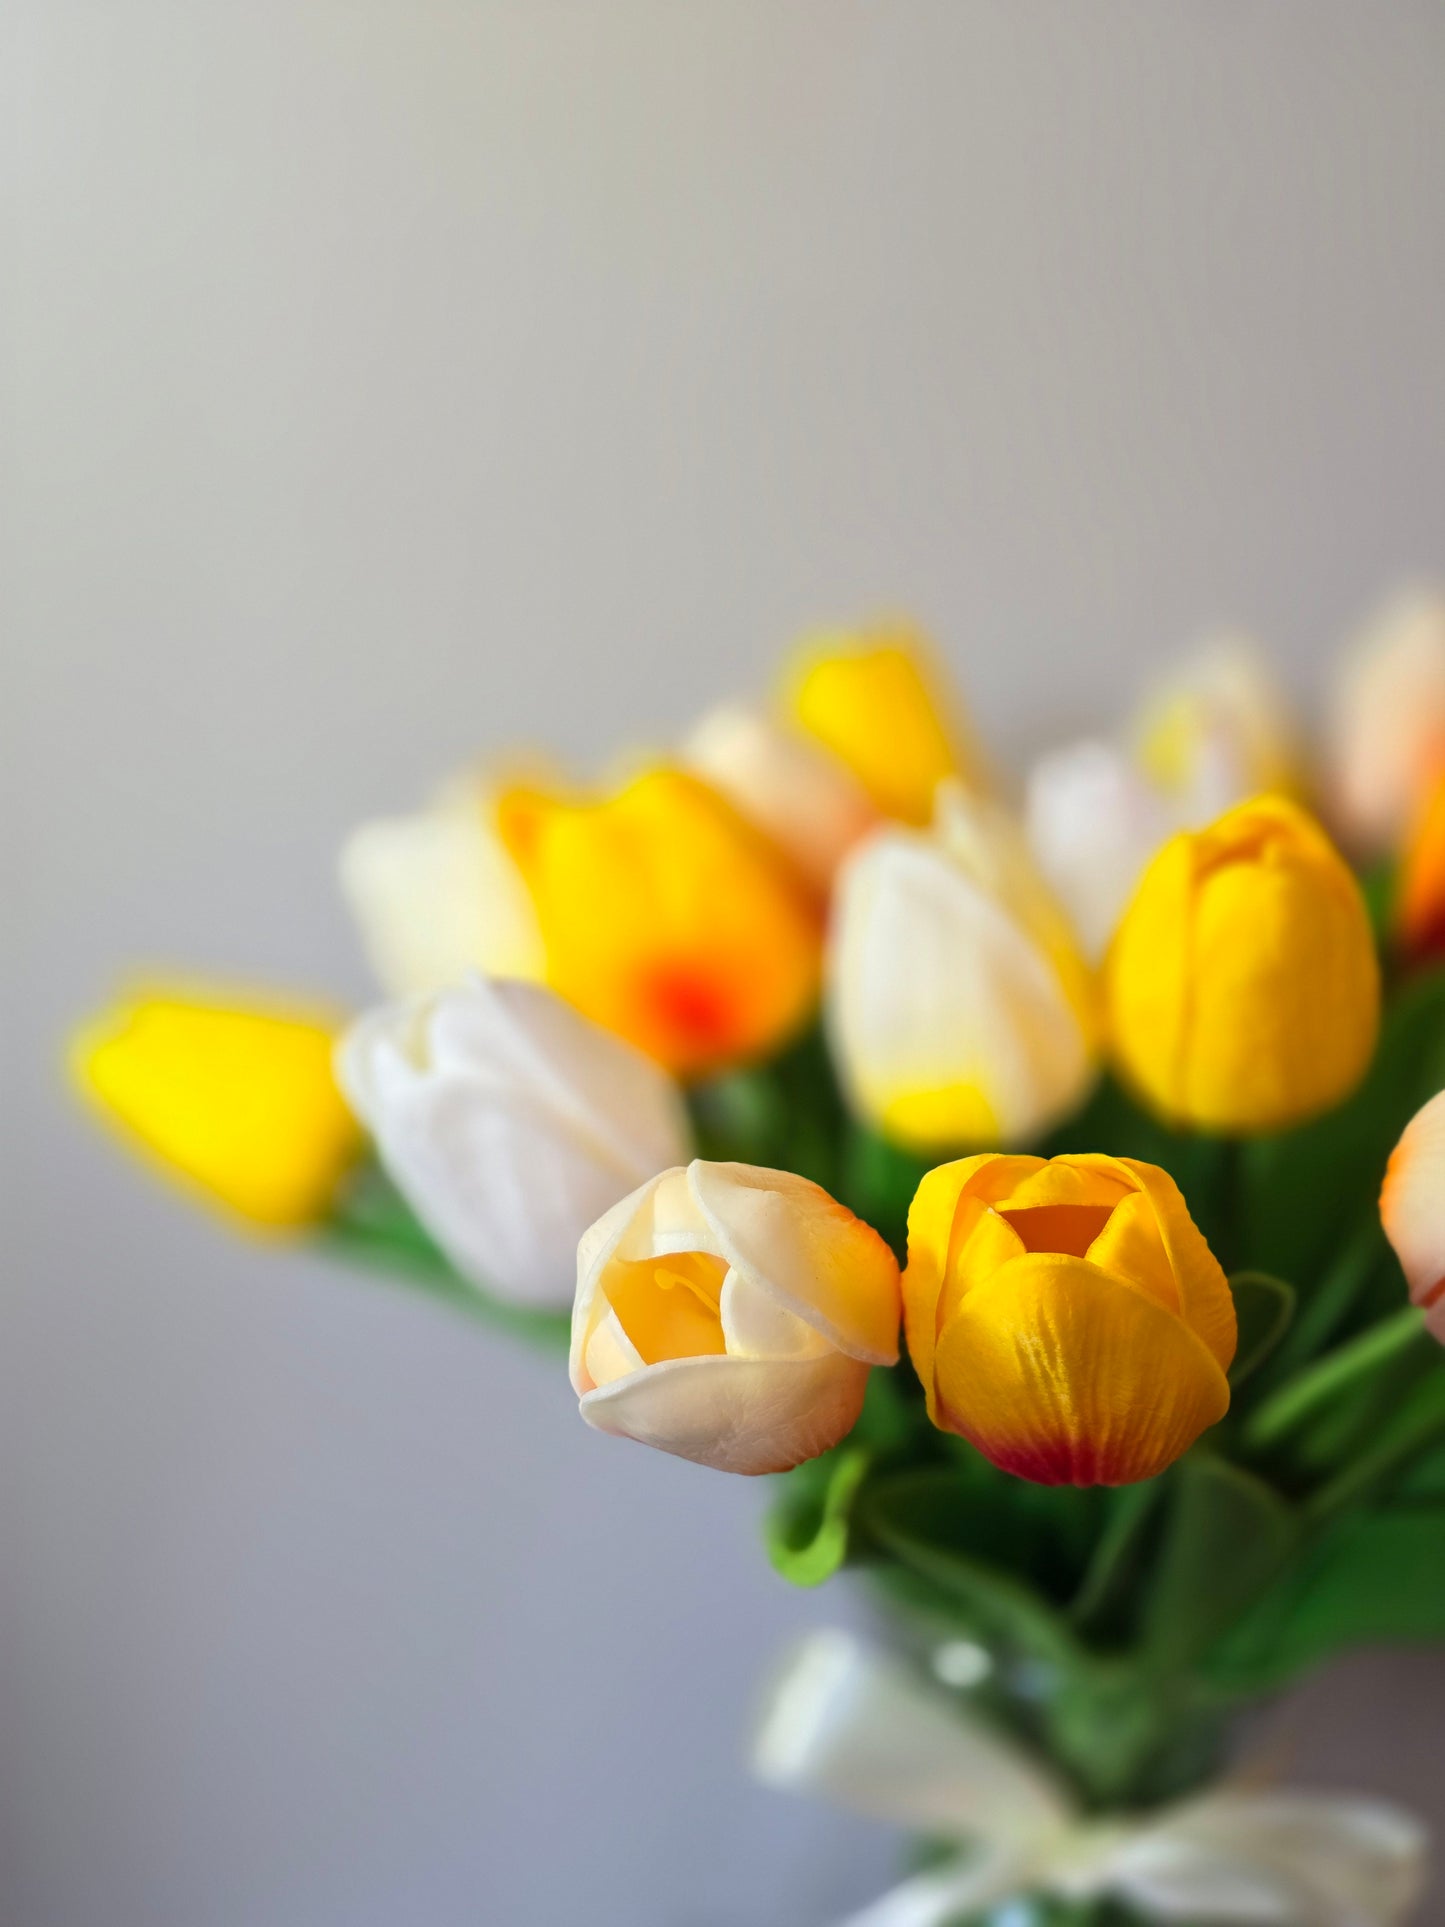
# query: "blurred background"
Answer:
x=387 y=381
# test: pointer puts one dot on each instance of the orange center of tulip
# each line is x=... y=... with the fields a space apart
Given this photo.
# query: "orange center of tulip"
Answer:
x=669 y=1307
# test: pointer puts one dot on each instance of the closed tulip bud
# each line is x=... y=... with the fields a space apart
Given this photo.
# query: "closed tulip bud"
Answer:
x=436 y=895
x=1243 y=988
x=237 y=1102
x=667 y=918
x=1066 y=1316
x=1388 y=722
x=811 y=806
x=731 y=1315
x=959 y=1008
x=873 y=699
x=1412 y=1209
x=1093 y=821
x=1216 y=731
x=509 y=1123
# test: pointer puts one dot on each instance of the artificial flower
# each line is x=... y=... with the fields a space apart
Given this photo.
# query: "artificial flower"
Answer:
x=237 y=1101
x=1388 y=721
x=1412 y=1209
x=731 y=1315
x=1066 y=1316
x=509 y=1122
x=668 y=918
x=1420 y=887
x=873 y=699
x=1243 y=988
x=807 y=801
x=1212 y=734
x=959 y=1008
x=437 y=895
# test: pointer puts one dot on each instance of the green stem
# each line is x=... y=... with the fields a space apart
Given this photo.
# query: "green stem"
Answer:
x=1319 y=1383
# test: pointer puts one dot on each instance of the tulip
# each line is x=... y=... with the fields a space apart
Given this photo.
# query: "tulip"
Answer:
x=731 y=1315
x=874 y=702
x=1412 y=1209
x=437 y=895
x=667 y=918
x=959 y=1009
x=1420 y=890
x=1066 y=1316
x=1217 y=730
x=509 y=1123
x=1093 y=820
x=1388 y=724
x=1242 y=987
x=237 y=1102
x=811 y=806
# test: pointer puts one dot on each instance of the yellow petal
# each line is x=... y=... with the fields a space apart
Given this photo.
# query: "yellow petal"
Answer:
x=1063 y=1375
x=668 y=1307
x=872 y=699
x=238 y=1101
x=668 y=919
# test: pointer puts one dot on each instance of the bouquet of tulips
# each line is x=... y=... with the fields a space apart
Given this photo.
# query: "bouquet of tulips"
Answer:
x=1051 y=1199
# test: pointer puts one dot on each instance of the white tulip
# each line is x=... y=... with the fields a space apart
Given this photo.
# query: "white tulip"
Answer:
x=509 y=1122
x=1412 y=1209
x=1093 y=821
x=1216 y=730
x=959 y=1007
x=436 y=894
x=1388 y=721
x=730 y=1315
x=807 y=801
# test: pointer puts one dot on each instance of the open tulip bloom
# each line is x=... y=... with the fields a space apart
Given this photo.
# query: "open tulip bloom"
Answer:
x=1051 y=1207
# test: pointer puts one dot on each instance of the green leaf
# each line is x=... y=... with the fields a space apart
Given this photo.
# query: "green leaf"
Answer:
x=1101 y=1606
x=1329 y=1379
x=1404 y=1434
x=1265 y=1307
x=1328 y=1305
x=1228 y=1536
x=1374 y=1580
x=806 y=1530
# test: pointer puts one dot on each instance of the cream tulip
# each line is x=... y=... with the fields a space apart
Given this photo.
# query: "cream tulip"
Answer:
x=1093 y=820
x=959 y=1008
x=1387 y=737
x=731 y=1315
x=436 y=895
x=509 y=1122
x=1412 y=1209
x=808 y=802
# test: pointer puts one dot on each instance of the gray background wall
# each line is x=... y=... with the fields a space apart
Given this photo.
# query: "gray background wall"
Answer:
x=388 y=381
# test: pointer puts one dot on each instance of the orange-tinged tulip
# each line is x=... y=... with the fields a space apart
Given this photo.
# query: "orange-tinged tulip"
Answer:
x=667 y=918
x=1242 y=986
x=1420 y=902
x=875 y=701
x=1066 y=1315
x=1412 y=1209
x=236 y=1100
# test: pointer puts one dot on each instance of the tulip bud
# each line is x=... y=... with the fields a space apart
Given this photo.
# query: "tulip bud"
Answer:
x=1412 y=1209
x=731 y=1315
x=1388 y=721
x=805 y=800
x=1216 y=731
x=871 y=699
x=959 y=1009
x=1066 y=1316
x=509 y=1123
x=668 y=919
x=1093 y=821
x=436 y=895
x=1420 y=890
x=1243 y=989
x=236 y=1101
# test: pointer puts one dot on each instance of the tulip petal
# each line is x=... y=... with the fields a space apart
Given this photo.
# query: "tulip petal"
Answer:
x=1412 y=1209
x=1060 y=1374
x=735 y=1414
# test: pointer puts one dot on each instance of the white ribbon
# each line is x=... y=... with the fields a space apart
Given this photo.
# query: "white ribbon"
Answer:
x=847 y=1722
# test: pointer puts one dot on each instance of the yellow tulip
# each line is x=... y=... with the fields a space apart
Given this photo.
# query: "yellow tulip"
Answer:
x=1066 y=1316
x=236 y=1101
x=667 y=918
x=874 y=700
x=1242 y=986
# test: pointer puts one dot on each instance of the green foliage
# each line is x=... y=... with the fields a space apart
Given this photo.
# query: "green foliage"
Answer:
x=1265 y=1308
x=1228 y=1536
x=806 y=1528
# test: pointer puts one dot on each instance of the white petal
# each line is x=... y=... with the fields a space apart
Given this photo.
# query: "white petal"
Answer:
x=735 y=1414
x=659 y=1216
x=1093 y=823
x=1412 y=1208
x=757 y=1325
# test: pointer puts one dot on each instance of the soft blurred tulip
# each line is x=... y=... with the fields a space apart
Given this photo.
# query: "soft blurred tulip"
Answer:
x=437 y=895
x=509 y=1123
x=1243 y=989
x=1217 y=730
x=959 y=1008
x=874 y=699
x=1093 y=820
x=236 y=1101
x=1412 y=1209
x=668 y=918
x=731 y=1315
x=1388 y=721
x=804 y=799
x=1420 y=888
x=1066 y=1316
